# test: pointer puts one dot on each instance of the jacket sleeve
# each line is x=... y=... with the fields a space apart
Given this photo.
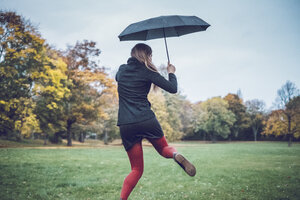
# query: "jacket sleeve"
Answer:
x=168 y=85
x=116 y=77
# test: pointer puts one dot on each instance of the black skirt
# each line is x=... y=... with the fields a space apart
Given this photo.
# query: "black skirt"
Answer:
x=133 y=133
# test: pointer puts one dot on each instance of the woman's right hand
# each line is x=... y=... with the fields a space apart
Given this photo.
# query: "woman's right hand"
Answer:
x=171 y=68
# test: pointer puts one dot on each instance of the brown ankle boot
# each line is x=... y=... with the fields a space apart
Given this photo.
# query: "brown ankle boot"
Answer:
x=188 y=167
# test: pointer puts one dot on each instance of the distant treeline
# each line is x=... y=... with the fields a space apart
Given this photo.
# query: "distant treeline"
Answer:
x=53 y=94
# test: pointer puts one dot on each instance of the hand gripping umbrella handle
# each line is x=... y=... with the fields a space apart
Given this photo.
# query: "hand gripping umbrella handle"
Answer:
x=166 y=46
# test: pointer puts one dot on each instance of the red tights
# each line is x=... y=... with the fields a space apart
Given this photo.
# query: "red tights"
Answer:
x=135 y=155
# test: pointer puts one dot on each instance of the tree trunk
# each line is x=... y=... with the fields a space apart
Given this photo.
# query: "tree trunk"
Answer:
x=45 y=139
x=32 y=135
x=81 y=137
x=69 y=136
x=236 y=133
x=213 y=138
x=254 y=130
x=290 y=140
x=105 y=137
x=18 y=137
x=55 y=138
x=70 y=121
x=289 y=131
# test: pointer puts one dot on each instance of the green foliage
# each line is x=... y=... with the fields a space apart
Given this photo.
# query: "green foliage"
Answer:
x=22 y=54
x=215 y=118
x=55 y=138
x=236 y=106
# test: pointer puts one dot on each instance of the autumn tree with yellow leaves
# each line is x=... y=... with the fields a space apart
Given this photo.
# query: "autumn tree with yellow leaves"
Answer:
x=158 y=105
x=22 y=56
x=90 y=84
x=286 y=119
x=50 y=92
x=46 y=91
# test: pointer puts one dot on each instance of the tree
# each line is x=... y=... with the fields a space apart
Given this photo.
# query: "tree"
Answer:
x=50 y=92
x=284 y=102
x=196 y=121
x=107 y=122
x=285 y=94
x=278 y=122
x=293 y=108
x=89 y=83
x=236 y=106
x=167 y=108
x=255 y=110
x=22 y=56
x=43 y=90
x=158 y=105
x=174 y=107
x=187 y=117
x=275 y=124
x=215 y=118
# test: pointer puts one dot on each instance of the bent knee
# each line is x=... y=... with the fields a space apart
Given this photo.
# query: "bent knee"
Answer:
x=138 y=172
x=168 y=151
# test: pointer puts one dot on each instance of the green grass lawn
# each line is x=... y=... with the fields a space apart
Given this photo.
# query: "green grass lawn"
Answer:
x=262 y=170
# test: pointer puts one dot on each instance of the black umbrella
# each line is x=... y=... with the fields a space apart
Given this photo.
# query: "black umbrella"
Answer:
x=162 y=27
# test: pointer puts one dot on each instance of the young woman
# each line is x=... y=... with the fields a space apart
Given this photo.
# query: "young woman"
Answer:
x=136 y=120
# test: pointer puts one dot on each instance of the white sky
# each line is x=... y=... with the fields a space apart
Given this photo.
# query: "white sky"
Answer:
x=252 y=45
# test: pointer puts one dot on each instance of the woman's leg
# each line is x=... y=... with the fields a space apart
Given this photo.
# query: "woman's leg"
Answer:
x=167 y=151
x=162 y=147
x=135 y=155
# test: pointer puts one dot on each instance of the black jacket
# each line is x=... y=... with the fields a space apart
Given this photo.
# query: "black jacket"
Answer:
x=134 y=82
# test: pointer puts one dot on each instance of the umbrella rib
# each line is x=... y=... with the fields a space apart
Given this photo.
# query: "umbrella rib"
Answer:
x=146 y=38
x=183 y=22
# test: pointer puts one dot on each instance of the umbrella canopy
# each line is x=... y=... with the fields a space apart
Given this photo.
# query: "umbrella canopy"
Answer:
x=162 y=27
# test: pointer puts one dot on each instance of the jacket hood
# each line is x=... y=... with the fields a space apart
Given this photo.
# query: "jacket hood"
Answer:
x=133 y=60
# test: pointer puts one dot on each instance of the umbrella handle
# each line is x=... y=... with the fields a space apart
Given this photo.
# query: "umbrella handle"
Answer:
x=166 y=46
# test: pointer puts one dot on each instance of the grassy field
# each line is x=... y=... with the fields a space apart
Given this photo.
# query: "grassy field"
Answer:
x=262 y=170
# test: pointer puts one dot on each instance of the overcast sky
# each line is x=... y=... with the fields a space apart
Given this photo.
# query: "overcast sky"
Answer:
x=252 y=45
